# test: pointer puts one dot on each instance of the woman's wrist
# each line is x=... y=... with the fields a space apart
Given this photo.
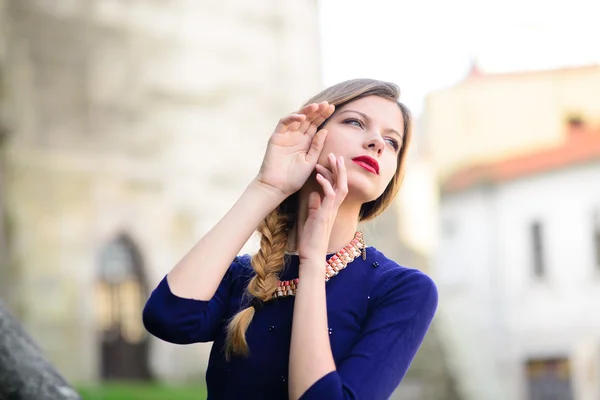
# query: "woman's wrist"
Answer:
x=311 y=270
x=265 y=194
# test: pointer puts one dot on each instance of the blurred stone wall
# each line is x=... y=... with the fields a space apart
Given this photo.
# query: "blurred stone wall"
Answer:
x=140 y=117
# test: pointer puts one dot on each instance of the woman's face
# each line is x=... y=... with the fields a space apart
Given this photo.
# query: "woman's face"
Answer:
x=368 y=133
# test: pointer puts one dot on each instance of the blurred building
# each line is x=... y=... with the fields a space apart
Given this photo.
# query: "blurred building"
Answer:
x=493 y=116
x=518 y=261
x=133 y=127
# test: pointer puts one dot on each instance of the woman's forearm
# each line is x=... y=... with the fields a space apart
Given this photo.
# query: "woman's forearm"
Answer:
x=310 y=351
x=198 y=274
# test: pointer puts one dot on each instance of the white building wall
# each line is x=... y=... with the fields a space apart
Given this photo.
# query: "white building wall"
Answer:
x=468 y=296
x=553 y=315
x=486 y=267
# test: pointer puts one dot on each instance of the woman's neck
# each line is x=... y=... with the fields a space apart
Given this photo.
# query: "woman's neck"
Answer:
x=344 y=227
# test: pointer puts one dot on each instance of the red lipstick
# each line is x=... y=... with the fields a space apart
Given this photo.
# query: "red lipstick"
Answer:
x=368 y=163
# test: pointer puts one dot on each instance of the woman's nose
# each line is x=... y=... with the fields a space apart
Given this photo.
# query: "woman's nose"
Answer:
x=376 y=143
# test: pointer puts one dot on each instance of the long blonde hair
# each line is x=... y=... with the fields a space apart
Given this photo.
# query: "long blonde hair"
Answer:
x=269 y=260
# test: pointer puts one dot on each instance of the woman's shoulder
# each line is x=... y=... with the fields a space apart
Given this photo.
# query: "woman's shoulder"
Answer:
x=242 y=264
x=240 y=270
x=393 y=279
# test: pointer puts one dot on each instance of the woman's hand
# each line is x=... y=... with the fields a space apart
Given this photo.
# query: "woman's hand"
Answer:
x=293 y=149
x=322 y=211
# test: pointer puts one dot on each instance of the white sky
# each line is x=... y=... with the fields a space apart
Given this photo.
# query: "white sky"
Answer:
x=423 y=45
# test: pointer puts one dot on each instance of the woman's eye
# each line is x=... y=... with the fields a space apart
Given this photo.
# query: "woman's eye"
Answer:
x=394 y=144
x=353 y=121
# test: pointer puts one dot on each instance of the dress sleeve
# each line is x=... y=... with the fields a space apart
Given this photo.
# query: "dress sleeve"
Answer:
x=184 y=321
x=395 y=327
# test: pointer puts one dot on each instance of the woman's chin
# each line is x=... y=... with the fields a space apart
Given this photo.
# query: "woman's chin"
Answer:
x=361 y=193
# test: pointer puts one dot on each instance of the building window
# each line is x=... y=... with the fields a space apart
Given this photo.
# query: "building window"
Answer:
x=596 y=237
x=549 y=379
x=537 y=243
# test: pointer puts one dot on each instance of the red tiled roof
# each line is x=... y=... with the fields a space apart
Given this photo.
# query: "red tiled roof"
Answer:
x=581 y=145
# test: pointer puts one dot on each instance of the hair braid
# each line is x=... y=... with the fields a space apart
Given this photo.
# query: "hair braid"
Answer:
x=267 y=263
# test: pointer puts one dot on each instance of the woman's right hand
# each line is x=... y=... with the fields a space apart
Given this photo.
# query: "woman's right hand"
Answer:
x=293 y=149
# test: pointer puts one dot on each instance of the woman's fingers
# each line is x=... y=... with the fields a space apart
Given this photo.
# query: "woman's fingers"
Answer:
x=311 y=111
x=326 y=173
x=316 y=146
x=309 y=125
x=326 y=113
x=333 y=182
x=307 y=119
x=337 y=176
x=286 y=123
x=333 y=167
x=323 y=113
x=341 y=180
x=314 y=202
x=327 y=188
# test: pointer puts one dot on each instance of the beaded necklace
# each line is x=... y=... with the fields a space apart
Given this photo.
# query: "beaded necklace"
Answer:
x=333 y=266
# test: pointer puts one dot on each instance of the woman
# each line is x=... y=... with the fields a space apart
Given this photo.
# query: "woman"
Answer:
x=315 y=313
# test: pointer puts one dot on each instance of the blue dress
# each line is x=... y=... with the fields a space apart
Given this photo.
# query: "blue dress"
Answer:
x=378 y=313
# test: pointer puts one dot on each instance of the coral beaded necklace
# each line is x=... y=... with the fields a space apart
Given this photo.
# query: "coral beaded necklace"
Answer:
x=334 y=265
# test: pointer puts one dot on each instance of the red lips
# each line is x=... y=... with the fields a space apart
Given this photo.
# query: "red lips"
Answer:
x=368 y=163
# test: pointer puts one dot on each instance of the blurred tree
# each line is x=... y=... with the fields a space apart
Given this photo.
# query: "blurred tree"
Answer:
x=25 y=373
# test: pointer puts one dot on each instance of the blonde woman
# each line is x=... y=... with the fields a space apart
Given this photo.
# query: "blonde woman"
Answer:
x=316 y=313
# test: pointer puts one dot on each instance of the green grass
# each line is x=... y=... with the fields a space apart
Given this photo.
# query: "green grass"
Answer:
x=142 y=391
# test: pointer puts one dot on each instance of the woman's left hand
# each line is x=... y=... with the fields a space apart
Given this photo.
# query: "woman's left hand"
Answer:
x=322 y=211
